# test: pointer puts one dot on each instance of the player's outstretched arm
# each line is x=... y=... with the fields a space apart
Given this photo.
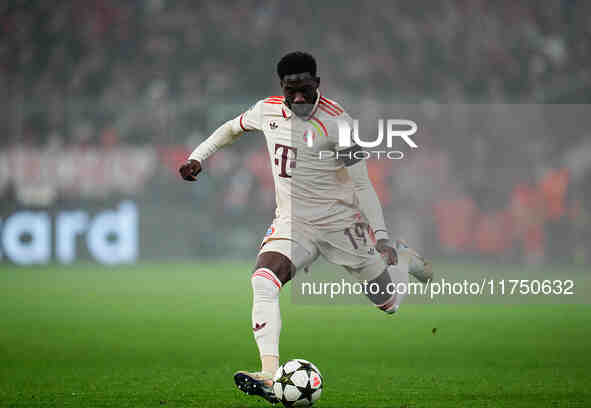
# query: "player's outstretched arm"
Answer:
x=370 y=206
x=224 y=135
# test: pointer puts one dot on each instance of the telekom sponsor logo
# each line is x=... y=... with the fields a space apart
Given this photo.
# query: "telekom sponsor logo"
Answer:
x=285 y=158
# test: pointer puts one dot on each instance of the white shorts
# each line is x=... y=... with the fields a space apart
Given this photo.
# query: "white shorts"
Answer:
x=352 y=247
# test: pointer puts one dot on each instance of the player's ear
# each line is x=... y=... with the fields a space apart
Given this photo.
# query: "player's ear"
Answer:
x=317 y=82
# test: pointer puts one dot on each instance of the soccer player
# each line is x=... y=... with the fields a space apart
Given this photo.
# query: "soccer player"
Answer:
x=326 y=205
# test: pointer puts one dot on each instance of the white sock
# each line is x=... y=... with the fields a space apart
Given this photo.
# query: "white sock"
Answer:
x=266 y=318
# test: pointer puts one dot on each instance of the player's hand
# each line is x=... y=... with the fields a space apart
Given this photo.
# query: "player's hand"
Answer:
x=190 y=170
x=388 y=252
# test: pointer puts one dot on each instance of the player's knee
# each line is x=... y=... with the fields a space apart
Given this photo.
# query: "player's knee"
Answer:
x=265 y=286
x=278 y=264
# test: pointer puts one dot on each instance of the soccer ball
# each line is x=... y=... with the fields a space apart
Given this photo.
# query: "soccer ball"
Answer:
x=298 y=383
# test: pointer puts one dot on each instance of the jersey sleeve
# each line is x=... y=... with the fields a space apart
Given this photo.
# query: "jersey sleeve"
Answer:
x=252 y=118
x=369 y=203
x=228 y=133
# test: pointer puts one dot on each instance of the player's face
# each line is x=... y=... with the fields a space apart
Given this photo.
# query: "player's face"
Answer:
x=300 y=95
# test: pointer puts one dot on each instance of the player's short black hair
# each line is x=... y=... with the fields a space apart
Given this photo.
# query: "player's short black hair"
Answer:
x=296 y=62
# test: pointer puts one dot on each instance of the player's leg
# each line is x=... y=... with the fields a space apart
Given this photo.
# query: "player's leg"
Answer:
x=272 y=271
x=276 y=264
x=356 y=253
x=386 y=285
x=390 y=286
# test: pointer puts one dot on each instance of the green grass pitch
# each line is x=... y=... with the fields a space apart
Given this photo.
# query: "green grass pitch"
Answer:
x=172 y=335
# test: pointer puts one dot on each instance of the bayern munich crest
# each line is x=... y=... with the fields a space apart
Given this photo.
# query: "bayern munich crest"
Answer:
x=309 y=137
x=270 y=231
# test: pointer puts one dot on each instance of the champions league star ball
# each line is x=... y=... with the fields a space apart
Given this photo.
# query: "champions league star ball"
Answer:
x=298 y=383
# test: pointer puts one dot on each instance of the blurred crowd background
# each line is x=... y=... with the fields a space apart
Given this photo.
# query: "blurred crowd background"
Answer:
x=101 y=101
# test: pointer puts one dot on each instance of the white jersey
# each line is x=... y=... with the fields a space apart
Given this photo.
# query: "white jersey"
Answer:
x=309 y=188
